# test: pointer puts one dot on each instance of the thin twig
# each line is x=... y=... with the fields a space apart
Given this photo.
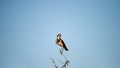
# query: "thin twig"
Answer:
x=54 y=63
x=65 y=64
x=61 y=51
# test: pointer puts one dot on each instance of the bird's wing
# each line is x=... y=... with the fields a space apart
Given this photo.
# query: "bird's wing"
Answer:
x=64 y=46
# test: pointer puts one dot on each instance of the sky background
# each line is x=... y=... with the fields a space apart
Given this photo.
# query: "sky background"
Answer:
x=90 y=29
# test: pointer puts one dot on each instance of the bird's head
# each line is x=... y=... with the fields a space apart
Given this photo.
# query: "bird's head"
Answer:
x=59 y=36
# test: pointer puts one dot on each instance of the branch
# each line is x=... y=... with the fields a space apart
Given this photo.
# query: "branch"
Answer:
x=66 y=61
x=65 y=64
x=54 y=63
x=61 y=51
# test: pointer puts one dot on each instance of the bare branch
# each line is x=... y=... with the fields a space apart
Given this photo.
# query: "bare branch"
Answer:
x=54 y=63
x=65 y=64
x=61 y=51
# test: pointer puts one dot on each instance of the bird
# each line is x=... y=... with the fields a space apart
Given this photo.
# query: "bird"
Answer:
x=60 y=42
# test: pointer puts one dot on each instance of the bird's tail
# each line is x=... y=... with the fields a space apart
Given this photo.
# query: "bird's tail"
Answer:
x=66 y=48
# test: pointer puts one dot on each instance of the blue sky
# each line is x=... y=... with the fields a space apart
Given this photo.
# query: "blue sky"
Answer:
x=90 y=29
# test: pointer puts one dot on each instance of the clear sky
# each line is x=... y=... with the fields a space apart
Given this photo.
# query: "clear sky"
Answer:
x=90 y=29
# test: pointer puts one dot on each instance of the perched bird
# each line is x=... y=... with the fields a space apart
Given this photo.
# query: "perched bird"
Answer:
x=60 y=42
